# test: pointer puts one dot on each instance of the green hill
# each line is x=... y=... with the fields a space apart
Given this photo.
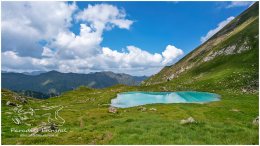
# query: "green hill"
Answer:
x=229 y=59
x=227 y=64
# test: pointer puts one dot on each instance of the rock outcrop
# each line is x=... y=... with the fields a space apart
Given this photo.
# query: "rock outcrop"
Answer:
x=112 y=109
x=256 y=121
x=9 y=103
x=187 y=121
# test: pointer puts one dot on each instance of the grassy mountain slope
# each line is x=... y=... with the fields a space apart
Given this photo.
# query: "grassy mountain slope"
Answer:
x=227 y=56
x=229 y=121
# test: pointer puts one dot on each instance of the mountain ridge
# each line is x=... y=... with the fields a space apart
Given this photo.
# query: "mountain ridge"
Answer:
x=237 y=37
x=54 y=82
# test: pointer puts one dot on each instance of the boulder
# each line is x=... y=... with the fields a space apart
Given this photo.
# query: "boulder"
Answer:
x=256 y=121
x=235 y=110
x=142 y=109
x=153 y=109
x=187 y=121
x=20 y=99
x=35 y=130
x=171 y=77
x=23 y=100
x=53 y=126
x=44 y=127
x=112 y=109
x=9 y=103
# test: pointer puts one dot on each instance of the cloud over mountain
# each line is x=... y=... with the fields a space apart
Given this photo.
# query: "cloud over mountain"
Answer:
x=240 y=4
x=37 y=36
x=215 y=30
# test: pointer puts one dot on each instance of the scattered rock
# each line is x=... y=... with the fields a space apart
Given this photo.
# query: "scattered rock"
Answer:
x=256 y=121
x=44 y=127
x=187 y=121
x=244 y=90
x=112 y=109
x=235 y=110
x=233 y=49
x=52 y=126
x=34 y=130
x=9 y=103
x=243 y=48
x=164 y=88
x=171 y=77
x=230 y=50
x=21 y=99
x=142 y=109
x=153 y=109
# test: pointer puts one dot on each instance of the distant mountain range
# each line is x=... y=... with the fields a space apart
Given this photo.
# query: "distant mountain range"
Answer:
x=53 y=82
x=33 y=73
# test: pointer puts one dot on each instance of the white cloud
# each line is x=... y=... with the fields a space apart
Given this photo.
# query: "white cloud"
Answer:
x=104 y=16
x=134 y=57
x=67 y=51
x=83 y=45
x=215 y=30
x=94 y=20
x=239 y=4
x=134 y=61
x=170 y=54
x=47 y=52
x=24 y=24
x=11 y=61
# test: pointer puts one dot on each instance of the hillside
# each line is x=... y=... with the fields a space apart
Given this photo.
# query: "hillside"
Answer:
x=54 y=82
x=228 y=59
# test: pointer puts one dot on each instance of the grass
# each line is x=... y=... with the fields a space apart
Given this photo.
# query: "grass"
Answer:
x=88 y=122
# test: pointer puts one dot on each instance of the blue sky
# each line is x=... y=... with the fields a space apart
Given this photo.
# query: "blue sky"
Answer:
x=137 y=38
x=158 y=24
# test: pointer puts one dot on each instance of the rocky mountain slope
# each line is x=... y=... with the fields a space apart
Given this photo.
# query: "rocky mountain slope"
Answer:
x=229 y=58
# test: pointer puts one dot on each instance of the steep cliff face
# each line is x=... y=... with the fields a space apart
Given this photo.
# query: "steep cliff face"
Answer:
x=233 y=50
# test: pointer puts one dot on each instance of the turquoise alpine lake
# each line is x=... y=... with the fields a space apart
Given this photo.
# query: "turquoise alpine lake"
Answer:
x=131 y=99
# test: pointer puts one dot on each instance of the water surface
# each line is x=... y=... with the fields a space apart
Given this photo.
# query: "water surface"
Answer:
x=130 y=99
